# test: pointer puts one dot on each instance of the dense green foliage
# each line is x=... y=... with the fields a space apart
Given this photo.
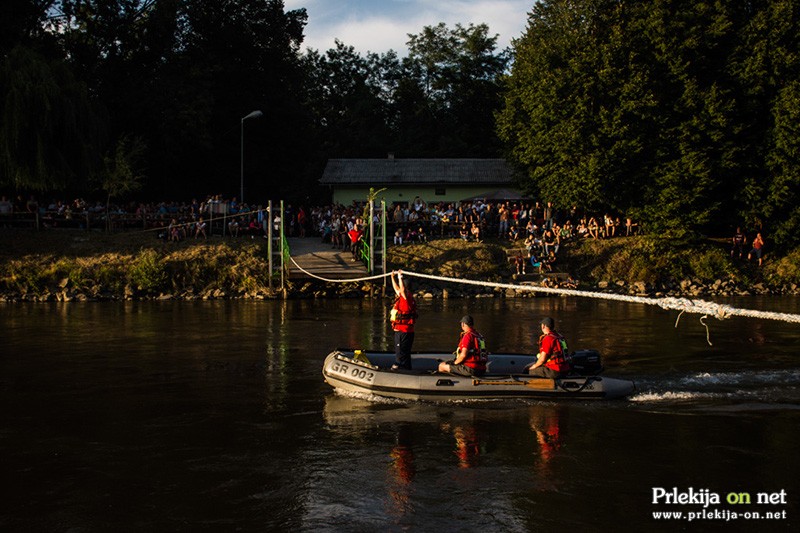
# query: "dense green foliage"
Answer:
x=681 y=114
x=82 y=79
x=437 y=102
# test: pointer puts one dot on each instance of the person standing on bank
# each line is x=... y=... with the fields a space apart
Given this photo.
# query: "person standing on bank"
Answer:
x=471 y=354
x=402 y=316
x=551 y=361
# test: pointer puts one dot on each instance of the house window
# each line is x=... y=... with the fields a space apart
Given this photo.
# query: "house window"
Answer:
x=440 y=191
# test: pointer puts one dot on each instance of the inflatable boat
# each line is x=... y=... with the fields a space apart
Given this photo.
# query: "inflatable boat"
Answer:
x=367 y=372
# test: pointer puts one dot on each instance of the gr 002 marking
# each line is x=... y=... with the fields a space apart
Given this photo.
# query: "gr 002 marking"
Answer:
x=353 y=372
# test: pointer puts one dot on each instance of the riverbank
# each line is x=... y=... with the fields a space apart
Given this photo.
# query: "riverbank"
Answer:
x=78 y=266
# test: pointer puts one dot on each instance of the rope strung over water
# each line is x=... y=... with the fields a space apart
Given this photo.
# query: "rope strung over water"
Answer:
x=684 y=305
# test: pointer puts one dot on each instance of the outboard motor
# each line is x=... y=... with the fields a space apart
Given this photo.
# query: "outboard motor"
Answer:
x=585 y=363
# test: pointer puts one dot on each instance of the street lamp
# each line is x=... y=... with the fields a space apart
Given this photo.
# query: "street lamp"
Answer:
x=253 y=114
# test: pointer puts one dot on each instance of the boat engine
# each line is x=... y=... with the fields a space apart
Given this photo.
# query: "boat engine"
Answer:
x=585 y=363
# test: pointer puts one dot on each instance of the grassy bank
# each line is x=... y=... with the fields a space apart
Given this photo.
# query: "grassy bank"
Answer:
x=665 y=263
x=64 y=265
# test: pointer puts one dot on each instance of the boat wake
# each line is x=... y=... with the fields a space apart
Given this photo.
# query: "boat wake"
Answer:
x=372 y=398
x=768 y=386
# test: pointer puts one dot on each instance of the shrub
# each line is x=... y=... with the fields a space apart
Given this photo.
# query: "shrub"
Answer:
x=147 y=272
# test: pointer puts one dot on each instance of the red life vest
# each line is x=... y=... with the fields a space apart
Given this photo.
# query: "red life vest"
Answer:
x=476 y=351
x=404 y=313
x=557 y=358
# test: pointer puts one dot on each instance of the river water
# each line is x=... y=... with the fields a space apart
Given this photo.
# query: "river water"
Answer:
x=213 y=416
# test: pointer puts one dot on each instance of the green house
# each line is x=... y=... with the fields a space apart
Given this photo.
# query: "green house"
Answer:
x=433 y=180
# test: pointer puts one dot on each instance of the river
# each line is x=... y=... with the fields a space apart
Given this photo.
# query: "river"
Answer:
x=213 y=416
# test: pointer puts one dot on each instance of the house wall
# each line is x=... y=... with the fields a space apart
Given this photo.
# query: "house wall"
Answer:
x=452 y=193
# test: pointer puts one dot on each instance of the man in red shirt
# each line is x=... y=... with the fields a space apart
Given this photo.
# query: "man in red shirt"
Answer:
x=355 y=235
x=471 y=355
x=403 y=317
x=551 y=361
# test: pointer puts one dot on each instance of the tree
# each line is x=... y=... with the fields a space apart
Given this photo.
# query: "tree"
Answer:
x=632 y=107
x=458 y=71
x=123 y=173
x=51 y=133
x=347 y=94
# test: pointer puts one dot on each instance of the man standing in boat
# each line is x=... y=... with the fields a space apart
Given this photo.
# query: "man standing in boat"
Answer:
x=551 y=361
x=402 y=316
x=471 y=355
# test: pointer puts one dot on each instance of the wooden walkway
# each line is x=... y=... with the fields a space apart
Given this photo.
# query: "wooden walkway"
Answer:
x=322 y=260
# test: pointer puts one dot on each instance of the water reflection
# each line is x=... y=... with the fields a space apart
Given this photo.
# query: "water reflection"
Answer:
x=402 y=470
x=547 y=423
x=467 y=442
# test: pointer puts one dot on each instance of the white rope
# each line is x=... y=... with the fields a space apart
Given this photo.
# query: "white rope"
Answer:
x=684 y=305
x=353 y=280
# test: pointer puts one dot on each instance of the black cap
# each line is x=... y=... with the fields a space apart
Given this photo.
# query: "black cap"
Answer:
x=467 y=319
x=549 y=322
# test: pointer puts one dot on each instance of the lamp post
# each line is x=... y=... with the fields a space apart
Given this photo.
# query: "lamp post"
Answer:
x=253 y=114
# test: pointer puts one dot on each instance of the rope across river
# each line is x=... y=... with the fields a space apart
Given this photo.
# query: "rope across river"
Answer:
x=684 y=305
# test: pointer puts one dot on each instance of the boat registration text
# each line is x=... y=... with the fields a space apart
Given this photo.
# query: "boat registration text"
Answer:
x=352 y=371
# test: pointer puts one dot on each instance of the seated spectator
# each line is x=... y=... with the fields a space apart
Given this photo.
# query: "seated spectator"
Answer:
x=464 y=232
x=530 y=244
x=326 y=231
x=550 y=261
x=594 y=228
x=513 y=233
x=537 y=263
x=631 y=227
x=476 y=232
x=581 y=230
x=608 y=222
x=421 y=235
x=174 y=232
x=519 y=263
x=253 y=228
x=565 y=233
x=398 y=236
x=550 y=242
x=200 y=228
x=233 y=227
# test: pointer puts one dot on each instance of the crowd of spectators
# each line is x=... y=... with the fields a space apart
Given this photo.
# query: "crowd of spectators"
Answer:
x=539 y=229
x=172 y=221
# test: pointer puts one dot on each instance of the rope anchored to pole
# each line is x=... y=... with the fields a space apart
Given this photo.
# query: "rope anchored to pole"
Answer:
x=684 y=305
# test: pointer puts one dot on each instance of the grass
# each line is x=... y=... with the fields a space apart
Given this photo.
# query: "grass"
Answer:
x=137 y=264
x=38 y=263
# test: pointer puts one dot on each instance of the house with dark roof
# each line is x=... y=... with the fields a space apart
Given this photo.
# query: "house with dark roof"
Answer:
x=433 y=180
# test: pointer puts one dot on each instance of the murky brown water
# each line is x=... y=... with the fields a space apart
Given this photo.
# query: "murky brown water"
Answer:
x=214 y=416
